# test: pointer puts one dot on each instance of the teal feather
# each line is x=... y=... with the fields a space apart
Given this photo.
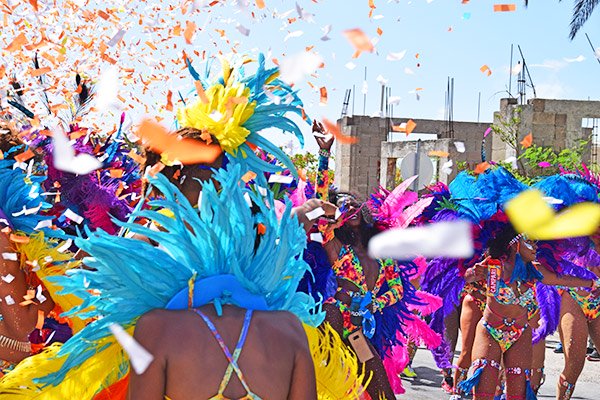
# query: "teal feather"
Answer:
x=18 y=191
x=204 y=242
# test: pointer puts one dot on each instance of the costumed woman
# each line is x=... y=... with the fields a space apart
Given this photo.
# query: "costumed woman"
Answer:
x=579 y=307
x=24 y=302
x=503 y=335
x=182 y=244
x=367 y=288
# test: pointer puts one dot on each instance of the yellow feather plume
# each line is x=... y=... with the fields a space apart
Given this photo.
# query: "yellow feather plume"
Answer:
x=336 y=367
x=39 y=253
x=83 y=383
x=223 y=115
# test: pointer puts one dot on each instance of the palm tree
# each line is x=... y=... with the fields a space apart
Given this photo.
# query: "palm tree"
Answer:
x=582 y=10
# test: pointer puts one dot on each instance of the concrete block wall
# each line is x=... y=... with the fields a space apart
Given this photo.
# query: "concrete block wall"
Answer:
x=554 y=123
x=358 y=165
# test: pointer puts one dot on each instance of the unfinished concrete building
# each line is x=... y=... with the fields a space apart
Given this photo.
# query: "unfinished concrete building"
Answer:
x=559 y=124
x=374 y=160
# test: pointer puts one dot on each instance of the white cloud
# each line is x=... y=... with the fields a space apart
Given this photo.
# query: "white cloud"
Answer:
x=550 y=64
x=551 y=90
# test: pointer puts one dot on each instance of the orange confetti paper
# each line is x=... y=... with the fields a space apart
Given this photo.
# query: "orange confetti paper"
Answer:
x=185 y=150
x=248 y=176
x=261 y=229
x=26 y=155
x=260 y=4
x=18 y=239
x=323 y=91
x=408 y=128
x=17 y=43
x=438 y=153
x=359 y=40
x=505 y=7
x=169 y=105
x=481 y=168
x=486 y=70
x=335 y=131
x=379 y=31
x=527 y=141
x=190 y=30
x=40 y=71
x=116 y=173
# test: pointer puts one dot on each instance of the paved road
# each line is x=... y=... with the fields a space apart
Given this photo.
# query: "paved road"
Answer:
x=427 y=386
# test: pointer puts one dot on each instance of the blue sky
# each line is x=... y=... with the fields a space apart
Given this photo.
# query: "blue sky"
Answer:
x=450 y=38
x=478 y=36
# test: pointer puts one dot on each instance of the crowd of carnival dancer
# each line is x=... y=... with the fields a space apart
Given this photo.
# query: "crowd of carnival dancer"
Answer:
x=202 y=264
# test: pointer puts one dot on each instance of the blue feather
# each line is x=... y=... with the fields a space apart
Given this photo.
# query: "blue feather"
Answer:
x=204 y=243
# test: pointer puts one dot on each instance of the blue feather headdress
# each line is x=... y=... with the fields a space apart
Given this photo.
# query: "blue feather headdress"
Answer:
x=221 y=239
x=20 y=198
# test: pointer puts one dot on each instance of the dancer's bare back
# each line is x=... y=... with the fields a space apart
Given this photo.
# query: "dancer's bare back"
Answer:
x=189 y=364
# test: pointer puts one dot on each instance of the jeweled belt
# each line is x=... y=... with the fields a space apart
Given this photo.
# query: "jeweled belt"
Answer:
x=12 y=344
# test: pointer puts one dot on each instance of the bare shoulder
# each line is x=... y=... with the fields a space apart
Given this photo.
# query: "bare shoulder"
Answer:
x=151 y=326
x=284 y=324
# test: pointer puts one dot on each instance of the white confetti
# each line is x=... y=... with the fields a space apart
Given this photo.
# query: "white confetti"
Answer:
x=460 y=147
x=382 y=81
x=350 y=65
x=243 y=30
x=314 y=214
x=139 y=357
x=447 y=167
x=107 y=89
x=553 y=200
x=285 y=179
x=65 y=246
x=46 y=223
x=326 y=31
x=9 y=256
x=293 y=34
x=65 y=159
x=294 y=68
x=39 y=296
x=580 y=58
x=316 y=237
x=394 y=100
x=396 y=56
x=443 y=239
x=8 y=278
x=9 y=300
x=27 y=211
x=73 y=216
x=338 y=213
x=116 y=38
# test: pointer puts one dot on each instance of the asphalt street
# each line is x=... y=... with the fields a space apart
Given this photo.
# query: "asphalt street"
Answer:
x=427 y=385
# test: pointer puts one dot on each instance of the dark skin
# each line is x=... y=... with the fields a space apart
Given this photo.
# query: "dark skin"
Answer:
x=189 y=364
x=379 y=385
x=520 y=354
x=19 y=321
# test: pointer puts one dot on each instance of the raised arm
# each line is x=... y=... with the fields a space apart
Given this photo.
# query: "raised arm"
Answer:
x=550 y=278
x=325 y=143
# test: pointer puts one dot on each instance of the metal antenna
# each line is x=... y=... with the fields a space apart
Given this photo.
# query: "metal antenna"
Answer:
x=526 y=69
x=510 y=73
x=593 y=48
x=365 y=95
x=346 y=103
